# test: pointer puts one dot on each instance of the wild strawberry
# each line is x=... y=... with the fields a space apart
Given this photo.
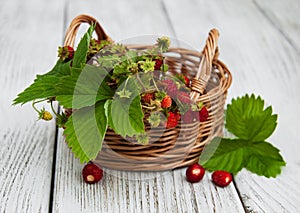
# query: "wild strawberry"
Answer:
x=203 y=114
x=47 y=116
x=44 y=115
x=184 y=79
x=65 y=53
x=195 y=173
x=146 y=98
x=188 y=117
x=177 y=115
x=221 y=178
x=171 y=87
x=91 y=173
x=158 y=63
x=166 y=102
x=172 y=121
x=184 y=97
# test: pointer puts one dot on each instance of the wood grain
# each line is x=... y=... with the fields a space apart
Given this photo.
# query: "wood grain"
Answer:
x=26 y=146
x=257 y=43
x=260 y=44
x=121 y=191
x=133 y=191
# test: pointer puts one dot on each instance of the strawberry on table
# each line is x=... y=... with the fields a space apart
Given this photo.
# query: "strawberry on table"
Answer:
x=221 y=178
x=195 y=173
x=92 y=173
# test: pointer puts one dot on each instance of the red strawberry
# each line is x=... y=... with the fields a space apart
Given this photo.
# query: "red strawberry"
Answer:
x=170 y=87
x=184 y=97
x=166 y=102
x=184 y=79
x=203 y=114
x=158 y=63
x=91 y=173
x=177 y=115
x=221 y=178
x=66 y=53
x=188 y=117
x=172 y=120
x=195 y=173
x=147 y=97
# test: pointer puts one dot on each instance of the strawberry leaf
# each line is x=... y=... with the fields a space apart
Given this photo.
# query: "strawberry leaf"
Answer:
x=77 y=91
x=247 y=119
x=85 y=131
x=60 y=69
x=232 y=155
x=44 y=85
x=252 y=124
x=81 y=52
x=224 y=154
x=125 y=115
x=264 y=159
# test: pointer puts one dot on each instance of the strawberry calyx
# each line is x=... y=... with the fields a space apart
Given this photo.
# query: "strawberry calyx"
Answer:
x=66 y=53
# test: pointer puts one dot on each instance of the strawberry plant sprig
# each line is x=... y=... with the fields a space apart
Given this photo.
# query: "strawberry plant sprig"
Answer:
x=247 y=119
x=103 y=85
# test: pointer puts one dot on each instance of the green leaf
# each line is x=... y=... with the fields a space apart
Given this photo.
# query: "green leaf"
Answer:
x=247 y=119
x=125 y=115
x=232 y=155
x=85 y=131
x=44 y=85
x=81 y=52
x=60 y=69
x=264 y=159
x=108 y=113
x=224 y=154
x=77 y=91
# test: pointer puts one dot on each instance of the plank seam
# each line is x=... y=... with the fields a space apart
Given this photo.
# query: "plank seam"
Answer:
x=53 y=173
x=277 y=28
x=240 y=196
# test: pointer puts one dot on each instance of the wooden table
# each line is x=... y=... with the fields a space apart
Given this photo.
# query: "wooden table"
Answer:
x=259 y=42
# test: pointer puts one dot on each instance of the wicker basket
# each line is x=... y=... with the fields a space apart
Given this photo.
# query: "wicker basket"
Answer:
x=180 y=146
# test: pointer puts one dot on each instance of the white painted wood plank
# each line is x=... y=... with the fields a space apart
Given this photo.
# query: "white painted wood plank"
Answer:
x=133 y=191
x=262 y=61
x=284 y=16
x=26 y=146
x=121 y=191
x=123 y=20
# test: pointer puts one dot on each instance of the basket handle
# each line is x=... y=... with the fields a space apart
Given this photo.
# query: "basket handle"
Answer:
x=210 y=53
x=74 y=26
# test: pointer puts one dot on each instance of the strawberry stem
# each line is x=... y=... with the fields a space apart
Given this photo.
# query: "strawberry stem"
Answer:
x=51 y=104
x=35 y=102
